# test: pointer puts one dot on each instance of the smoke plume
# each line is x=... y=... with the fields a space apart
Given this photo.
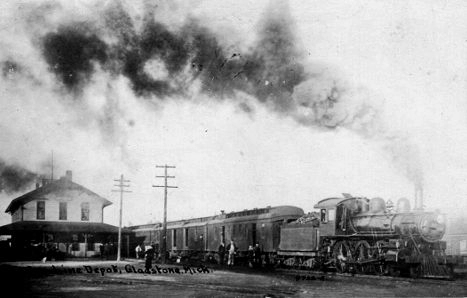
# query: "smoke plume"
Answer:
x=159 y=62
x=14 y=178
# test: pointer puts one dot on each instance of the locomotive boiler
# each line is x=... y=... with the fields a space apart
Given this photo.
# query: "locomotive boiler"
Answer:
x=361 y=235
x=374 y=219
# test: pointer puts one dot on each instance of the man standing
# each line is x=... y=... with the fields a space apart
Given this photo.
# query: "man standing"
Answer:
x=149 y=255
x=231 y=248
x=221 y=253
x=138 y=251
x=101 y=249
x=257 y=256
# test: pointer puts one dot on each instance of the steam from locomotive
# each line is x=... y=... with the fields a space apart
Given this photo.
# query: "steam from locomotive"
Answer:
x=163 y=62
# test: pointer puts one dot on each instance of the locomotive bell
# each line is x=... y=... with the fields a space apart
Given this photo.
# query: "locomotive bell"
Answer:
x=377 y=205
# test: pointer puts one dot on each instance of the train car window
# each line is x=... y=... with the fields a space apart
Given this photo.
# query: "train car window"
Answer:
x=174 y=238
x=186 y=237
x=323 y=215
x=331 y=214
x=463 y=246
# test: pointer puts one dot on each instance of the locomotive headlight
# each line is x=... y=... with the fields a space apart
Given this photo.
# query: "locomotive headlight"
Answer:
x=432 y=227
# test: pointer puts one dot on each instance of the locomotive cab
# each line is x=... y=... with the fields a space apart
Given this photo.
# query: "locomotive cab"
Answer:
x=336 y=213
x=327 y=216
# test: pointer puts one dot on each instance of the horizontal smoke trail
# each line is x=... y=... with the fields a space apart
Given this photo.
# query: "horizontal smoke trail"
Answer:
x=161 y=63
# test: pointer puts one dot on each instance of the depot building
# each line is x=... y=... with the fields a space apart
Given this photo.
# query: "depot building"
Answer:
x=59 y=218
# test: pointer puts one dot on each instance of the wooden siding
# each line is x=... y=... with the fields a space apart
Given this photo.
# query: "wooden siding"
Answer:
x=52 y=207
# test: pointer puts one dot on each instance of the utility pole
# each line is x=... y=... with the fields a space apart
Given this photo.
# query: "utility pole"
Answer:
x=164 y=227
x=52 y=176
x=121 y=190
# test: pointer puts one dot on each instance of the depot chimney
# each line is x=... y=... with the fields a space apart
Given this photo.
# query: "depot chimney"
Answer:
x=69 y=175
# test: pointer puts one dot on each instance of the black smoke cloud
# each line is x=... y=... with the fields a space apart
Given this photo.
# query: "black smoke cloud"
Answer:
x=14 y=178
x=272 y=69
x=71 y=51
x=269 y=70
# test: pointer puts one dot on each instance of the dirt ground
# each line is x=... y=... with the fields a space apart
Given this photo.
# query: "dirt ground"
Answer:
x=128 y=279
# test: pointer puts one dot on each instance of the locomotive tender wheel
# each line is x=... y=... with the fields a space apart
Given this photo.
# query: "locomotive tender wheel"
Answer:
x=342 y=255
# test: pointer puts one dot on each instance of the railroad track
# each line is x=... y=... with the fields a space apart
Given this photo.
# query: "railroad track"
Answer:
x=329 y=275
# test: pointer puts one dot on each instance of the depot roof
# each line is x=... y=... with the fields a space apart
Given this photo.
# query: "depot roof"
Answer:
x=59 y=226
x=60 y=186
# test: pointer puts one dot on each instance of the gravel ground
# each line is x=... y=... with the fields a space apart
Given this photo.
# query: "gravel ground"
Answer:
x=128 y=279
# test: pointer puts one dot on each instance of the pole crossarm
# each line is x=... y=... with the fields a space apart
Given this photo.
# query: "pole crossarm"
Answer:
x=121 y=190
x=165 y=186
x=164 y=229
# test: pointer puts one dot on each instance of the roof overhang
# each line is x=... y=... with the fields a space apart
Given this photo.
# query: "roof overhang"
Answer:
x=329 y=202
x=59 y=226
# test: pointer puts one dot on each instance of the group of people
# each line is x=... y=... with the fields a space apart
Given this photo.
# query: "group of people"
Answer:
x=148 y=252
x=254 y=254
x=107 y=250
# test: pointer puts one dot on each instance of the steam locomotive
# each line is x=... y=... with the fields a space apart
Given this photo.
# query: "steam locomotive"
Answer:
x=359 y=235
x=349 y=234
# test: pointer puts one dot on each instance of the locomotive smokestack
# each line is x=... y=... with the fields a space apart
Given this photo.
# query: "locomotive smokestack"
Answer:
x=418 y=197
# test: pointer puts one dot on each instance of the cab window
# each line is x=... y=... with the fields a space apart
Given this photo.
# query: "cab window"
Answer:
x=331 y=215
x=323 y=215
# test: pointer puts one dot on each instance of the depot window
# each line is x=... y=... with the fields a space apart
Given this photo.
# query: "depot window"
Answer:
x=85 y=211
x=62 y=211
x=40 y=210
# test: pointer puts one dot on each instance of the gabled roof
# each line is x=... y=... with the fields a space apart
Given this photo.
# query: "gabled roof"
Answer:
x=60 y=186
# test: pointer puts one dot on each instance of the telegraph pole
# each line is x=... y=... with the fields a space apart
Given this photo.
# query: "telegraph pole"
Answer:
x=164 y=227
x=52 y=176
x=121 y=190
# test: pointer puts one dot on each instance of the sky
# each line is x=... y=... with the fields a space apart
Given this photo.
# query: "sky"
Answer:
x=256 y=103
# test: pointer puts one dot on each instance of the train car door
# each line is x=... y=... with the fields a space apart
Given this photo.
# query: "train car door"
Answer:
x=223 y=234
x=253 y=233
